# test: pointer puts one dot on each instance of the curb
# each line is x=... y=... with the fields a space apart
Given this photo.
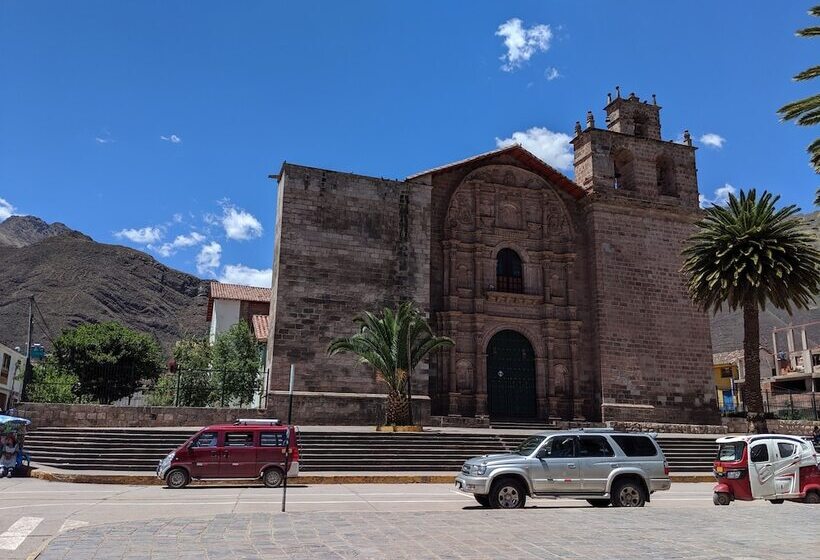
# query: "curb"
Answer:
x=150 y=480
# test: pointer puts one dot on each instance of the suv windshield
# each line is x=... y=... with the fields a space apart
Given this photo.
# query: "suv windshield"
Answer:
x=529 y=445
x=731 y=451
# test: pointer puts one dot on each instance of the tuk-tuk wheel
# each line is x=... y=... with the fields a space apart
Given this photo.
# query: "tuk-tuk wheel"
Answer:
x=721 y=499
x=177 y=478
x=813 y=497
x=777 y=501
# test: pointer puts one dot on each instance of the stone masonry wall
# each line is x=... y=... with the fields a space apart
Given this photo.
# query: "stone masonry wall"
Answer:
x=345 y=243
x=654 y=346
x=308 y=409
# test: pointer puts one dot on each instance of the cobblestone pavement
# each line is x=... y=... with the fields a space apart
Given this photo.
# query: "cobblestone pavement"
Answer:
x=712 y=533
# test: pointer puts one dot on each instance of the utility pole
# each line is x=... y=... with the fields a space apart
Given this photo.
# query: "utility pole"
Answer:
x=27 y=369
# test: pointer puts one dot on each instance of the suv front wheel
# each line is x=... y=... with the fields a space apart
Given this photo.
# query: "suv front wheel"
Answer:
x=507 y=493
x=628 y=493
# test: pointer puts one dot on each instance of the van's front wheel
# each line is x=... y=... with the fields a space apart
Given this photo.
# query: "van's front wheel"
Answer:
x=273 y=477
x=177 y=478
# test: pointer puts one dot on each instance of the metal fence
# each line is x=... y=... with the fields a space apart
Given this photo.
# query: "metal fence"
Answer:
x=123 y=386
x=783 y=405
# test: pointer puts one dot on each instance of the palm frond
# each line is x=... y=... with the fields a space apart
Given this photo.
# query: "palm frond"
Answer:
x=793 y=110
x=750 y=251
x=808 y=74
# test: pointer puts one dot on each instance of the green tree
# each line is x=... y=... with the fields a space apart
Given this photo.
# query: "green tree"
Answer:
x=51 y=384
x=235 y=362
x=192 y=357
x=110 y=361
x=806 y=111
x=744 y=256
x=393 y=344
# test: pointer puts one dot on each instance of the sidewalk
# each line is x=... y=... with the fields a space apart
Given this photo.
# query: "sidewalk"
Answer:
x=144 y=478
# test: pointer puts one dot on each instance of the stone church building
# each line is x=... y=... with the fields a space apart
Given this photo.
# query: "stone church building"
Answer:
x=564 y=297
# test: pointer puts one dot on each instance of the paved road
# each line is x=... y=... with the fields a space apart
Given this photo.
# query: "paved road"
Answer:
x=166 y=522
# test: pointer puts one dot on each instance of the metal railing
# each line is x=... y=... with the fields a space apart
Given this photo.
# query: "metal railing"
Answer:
x=783 y=405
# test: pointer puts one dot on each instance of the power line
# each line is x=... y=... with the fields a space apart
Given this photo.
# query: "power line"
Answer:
x=44 y=322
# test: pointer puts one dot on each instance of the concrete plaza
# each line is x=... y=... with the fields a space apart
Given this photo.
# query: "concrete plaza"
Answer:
x=83 y=521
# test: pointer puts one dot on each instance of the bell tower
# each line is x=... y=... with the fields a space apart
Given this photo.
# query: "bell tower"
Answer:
x=653 y=347
x=629 y=155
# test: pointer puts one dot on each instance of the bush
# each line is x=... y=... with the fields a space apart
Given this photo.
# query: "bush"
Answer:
x=51 y=384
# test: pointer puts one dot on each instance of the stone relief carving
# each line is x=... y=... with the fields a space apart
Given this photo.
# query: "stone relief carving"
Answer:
x=464 y=376
x=561 y=380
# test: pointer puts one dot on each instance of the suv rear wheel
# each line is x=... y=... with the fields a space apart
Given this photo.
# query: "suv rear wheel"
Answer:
x=177 y=478
x=272 y=477
x=482 y=499
x=507 y=493
x=813 y=497
x=628 y=493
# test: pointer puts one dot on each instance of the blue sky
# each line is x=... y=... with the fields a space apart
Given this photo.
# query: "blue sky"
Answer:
x=156 y=124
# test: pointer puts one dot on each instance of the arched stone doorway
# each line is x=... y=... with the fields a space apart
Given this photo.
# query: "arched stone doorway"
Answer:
x=510 y=377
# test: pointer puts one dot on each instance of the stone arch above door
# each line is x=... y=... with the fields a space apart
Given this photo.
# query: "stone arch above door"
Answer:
x=508 y=198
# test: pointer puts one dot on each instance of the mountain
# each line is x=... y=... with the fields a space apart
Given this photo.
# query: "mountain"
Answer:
x=727 y=327
x=20 y=231
x=75 y=280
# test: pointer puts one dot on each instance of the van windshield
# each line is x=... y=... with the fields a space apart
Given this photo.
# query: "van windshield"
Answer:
x=529 y=445
x=731 y=451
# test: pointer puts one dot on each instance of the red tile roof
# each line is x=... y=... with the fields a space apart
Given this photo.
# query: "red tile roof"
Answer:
x=261 y=324
x=236 y=292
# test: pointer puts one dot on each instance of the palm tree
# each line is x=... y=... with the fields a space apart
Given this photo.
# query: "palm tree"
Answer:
x=746 y=255
x=393 y=344
x=807 y=111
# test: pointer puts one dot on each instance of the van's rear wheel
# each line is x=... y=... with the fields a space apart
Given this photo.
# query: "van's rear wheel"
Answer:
x=721 y=499
x=273 y=478
x=177 y=478
x=813 y=497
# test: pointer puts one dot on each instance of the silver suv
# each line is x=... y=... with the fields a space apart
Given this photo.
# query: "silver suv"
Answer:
x=599 y=465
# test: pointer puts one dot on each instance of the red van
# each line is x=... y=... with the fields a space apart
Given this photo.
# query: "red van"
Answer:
x=247 y=449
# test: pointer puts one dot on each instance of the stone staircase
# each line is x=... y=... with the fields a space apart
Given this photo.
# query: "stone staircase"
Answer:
x=135 y=449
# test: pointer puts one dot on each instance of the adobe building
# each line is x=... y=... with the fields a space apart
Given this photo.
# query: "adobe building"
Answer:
x=564 y=297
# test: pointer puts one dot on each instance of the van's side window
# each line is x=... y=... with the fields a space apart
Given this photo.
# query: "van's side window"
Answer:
x=208 y=439
x=239 y=439
x=272 y=439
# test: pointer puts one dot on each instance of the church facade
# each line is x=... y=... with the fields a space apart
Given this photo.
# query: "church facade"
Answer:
x=564 y=297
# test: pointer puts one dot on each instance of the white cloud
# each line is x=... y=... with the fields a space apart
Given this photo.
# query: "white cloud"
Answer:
x=522 y=42
x=209 y=257
x=173 y=139
x=551 y=73
x=552 y=147
x=6 y=209
x=168 y=249
x=143 y=236
x=239 y=224
x=101 y=140
x=241 y=274
x=177 y=218
x=713 y=140
x=721 y=196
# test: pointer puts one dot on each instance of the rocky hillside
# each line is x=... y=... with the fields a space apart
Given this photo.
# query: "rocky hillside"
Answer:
x=75 y=280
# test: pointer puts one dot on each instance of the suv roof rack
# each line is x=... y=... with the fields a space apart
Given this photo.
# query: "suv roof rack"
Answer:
x=257 y=422
x=594 y=430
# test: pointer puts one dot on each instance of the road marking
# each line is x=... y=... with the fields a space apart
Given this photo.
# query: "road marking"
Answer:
x=18 y=532
x=72 y=524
